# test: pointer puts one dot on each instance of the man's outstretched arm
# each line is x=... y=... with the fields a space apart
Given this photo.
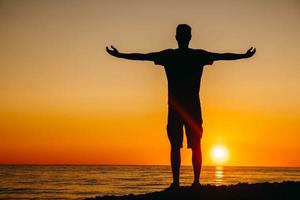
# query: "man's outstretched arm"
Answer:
x=131 y=56
x=233 y=56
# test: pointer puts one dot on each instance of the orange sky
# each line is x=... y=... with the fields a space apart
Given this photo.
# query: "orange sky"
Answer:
x=64 y=100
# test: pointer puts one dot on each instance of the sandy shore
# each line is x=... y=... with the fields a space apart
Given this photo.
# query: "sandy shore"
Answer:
x=284 y=190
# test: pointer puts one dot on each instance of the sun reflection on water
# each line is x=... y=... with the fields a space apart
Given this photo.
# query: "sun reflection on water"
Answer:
x=219 y=175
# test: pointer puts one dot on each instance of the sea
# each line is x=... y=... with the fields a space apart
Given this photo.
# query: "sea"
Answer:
x=82 y=181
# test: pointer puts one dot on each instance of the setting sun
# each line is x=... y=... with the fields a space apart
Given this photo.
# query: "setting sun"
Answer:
x=219 y=154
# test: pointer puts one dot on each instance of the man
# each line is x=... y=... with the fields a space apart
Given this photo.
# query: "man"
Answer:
x=183 y=67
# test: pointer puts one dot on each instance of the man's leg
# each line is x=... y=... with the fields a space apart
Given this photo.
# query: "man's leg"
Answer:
x=194 y=130
x=175 y=135
x=197 y=163
x=175 y=164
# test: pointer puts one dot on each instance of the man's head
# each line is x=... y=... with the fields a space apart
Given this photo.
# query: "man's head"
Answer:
x=183 y=35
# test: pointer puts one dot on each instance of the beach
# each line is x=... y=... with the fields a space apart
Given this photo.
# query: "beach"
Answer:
x=88 y=181
x=245 y=191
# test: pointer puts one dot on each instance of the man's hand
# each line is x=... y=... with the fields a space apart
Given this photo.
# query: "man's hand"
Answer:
x=250 y=52
x=113 y=51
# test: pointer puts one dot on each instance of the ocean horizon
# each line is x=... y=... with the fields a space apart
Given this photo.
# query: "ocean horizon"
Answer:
x=28 y=181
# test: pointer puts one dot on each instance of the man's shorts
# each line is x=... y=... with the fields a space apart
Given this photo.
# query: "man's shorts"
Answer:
x=188 y=116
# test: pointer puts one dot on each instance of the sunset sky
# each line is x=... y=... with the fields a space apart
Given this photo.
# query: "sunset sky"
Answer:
x=64 y=100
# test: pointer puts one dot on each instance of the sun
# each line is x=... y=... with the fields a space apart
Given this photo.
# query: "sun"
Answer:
x=219 y=154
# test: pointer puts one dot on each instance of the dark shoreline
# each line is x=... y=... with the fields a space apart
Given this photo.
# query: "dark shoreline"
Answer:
x=264 y=191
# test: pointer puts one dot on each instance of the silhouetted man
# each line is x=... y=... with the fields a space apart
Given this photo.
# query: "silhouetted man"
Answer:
x=183 y=67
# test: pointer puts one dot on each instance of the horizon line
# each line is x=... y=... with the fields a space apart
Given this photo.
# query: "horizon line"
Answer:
x=92 y=164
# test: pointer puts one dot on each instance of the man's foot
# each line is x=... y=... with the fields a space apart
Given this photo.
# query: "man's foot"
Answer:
x=196 y=185
x=173 y=187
